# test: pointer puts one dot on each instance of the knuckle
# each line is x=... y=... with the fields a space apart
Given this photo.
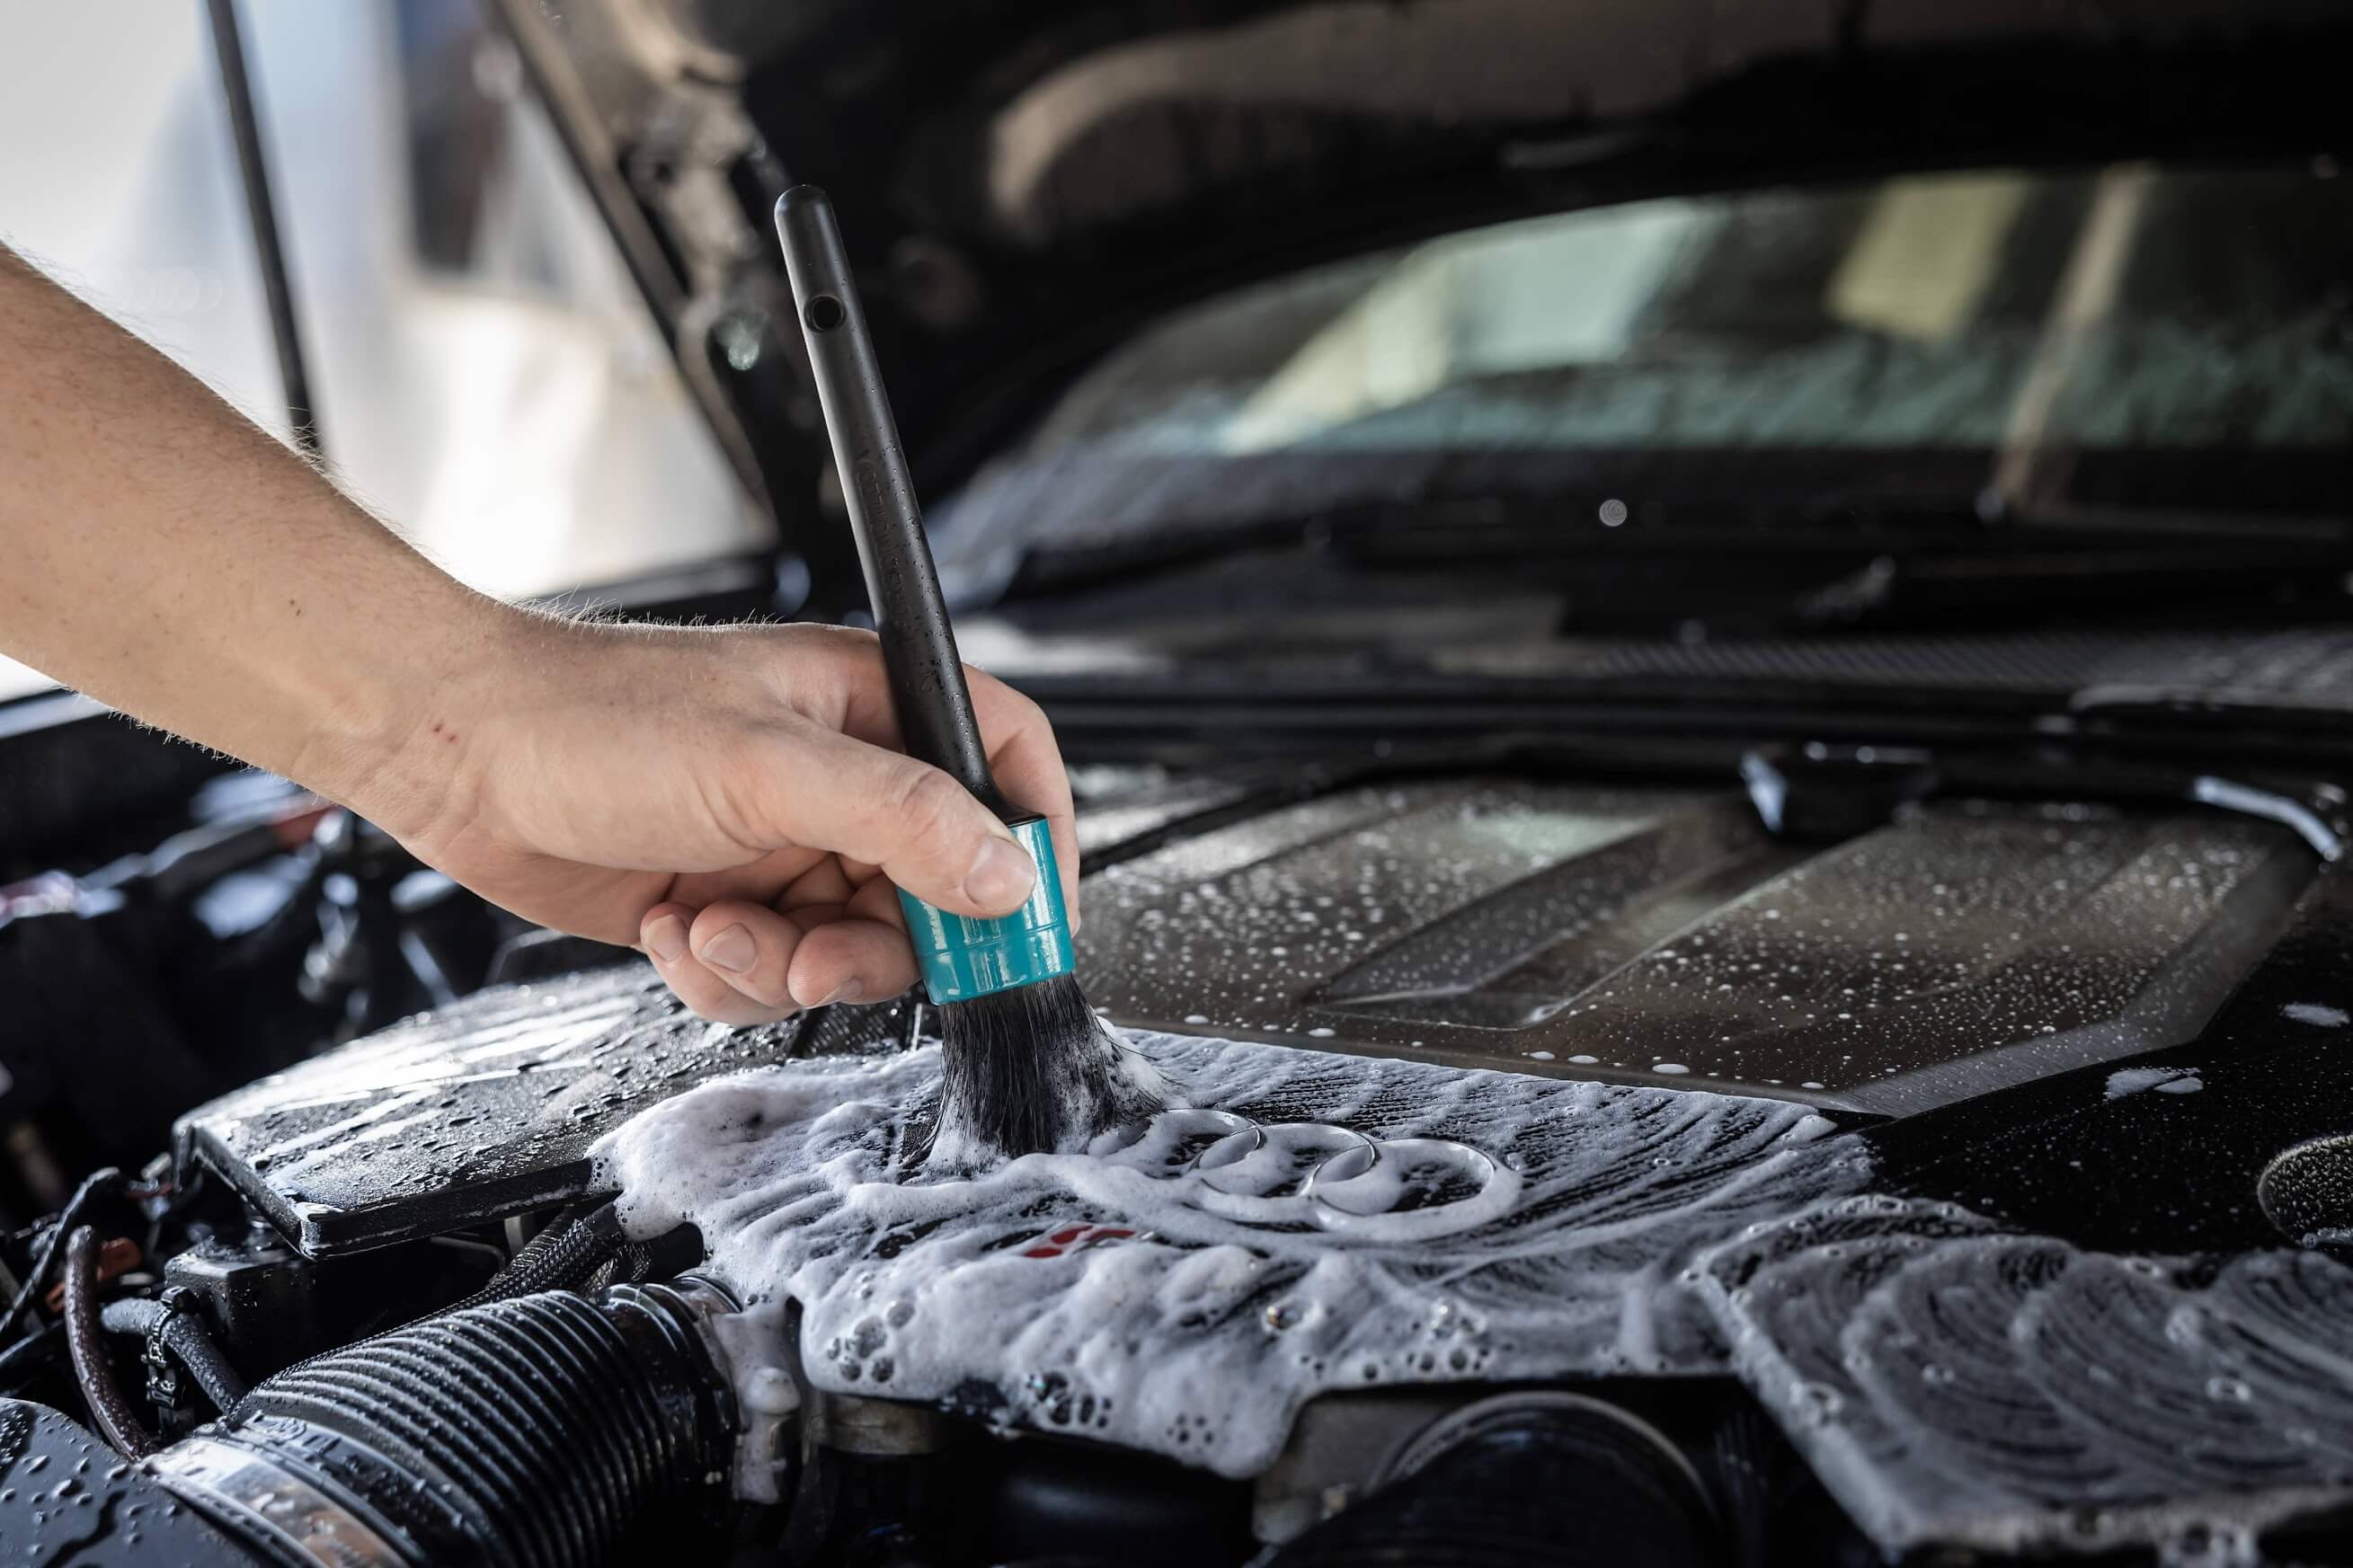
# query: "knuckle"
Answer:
x=822 y=661
x=931 y=806
x=691 y=984
x=1017 y=710
x=768 y=989
x=1027 y=716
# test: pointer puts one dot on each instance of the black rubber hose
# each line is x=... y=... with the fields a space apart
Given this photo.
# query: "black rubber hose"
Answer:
x=93 y=1184
x=185 y=1336
x=87 y=1344
x=1568 y=1483
x=530 y=1433
x=28 y=1357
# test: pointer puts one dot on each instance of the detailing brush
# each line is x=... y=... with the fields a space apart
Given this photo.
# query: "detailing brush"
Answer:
x=1027 y=1064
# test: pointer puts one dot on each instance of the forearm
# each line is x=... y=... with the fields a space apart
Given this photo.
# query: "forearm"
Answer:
x=163 y=554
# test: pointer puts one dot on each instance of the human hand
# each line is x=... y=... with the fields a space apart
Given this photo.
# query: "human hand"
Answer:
x=729 y=800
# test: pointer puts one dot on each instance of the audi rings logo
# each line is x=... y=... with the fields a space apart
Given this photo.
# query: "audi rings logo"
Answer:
x=1294 y=1173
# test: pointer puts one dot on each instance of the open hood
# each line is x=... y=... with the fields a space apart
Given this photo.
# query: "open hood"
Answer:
x=1021 y=184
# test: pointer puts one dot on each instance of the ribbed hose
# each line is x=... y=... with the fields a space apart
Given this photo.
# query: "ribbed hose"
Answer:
x=563 y=1256
x=1544 y=1479
x=530 y=1433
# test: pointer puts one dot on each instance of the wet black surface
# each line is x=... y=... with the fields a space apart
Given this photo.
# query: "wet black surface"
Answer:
x=1663 y=936
x=482 y=1110
x=2129 y=1164
x=67 y=1498
x=1976 y=970
x=2101 y=1060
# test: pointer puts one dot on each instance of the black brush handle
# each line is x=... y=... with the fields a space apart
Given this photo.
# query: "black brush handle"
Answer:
x=919 y=651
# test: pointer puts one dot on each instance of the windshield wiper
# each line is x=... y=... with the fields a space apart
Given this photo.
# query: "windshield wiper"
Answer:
x=1729 y=572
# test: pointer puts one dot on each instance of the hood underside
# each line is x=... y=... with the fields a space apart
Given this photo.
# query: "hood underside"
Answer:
x=1021 y=185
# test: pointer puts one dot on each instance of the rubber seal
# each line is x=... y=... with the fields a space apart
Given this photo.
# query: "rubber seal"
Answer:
x=959 y=957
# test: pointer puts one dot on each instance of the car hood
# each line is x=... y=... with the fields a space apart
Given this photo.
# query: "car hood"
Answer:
x=1021 y=184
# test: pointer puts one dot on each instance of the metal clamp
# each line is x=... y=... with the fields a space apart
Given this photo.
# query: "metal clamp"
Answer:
x=263 y=1501
x=166 y=1388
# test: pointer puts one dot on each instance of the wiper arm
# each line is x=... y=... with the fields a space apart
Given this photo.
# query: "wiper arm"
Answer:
x=1465 y=533
x=1832 y=561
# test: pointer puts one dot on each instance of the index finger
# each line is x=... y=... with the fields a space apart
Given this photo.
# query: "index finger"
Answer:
x=1027 y=765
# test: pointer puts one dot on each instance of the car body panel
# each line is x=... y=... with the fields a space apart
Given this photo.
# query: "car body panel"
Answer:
x=1983 y=949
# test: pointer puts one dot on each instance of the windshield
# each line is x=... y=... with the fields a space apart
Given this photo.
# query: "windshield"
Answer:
x=2134 y=338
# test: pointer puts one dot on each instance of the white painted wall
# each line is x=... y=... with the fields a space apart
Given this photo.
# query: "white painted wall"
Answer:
x=533 y=435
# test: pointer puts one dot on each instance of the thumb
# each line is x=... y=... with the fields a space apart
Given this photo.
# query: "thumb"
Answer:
x=925 y=830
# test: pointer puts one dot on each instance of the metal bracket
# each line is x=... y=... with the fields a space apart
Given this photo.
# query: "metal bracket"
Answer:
x=166 y=1388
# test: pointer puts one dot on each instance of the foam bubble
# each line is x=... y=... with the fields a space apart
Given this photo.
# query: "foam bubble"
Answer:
x=2165 y=1081
x=1316 y=1222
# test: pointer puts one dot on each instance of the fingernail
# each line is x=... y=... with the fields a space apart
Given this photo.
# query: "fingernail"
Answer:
x=849 y=990
x=1002 y=875
x=666 y=938
x=732 y=950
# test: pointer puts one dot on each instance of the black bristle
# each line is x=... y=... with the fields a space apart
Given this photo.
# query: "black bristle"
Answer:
x=1032 y=1069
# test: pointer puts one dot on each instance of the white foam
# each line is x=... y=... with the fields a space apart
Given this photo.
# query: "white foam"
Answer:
x=2165 y=1081
x=1957 y=1385
x=1320 y=1221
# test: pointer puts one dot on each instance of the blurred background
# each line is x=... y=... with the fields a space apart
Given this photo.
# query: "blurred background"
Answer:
x=482 y=372
x=1791 y=550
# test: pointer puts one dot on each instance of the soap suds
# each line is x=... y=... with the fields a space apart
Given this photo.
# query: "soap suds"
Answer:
x=1319 y=1223
x=2164 y=1080
x=1957 y=1385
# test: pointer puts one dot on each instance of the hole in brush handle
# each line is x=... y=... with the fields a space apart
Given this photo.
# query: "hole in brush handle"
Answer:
x=824 y=313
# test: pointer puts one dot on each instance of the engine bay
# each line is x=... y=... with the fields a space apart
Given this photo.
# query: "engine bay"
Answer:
x=1704 y=662
x=1476 y=1162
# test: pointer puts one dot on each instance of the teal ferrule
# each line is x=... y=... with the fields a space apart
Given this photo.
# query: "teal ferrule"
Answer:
x=960 y=957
